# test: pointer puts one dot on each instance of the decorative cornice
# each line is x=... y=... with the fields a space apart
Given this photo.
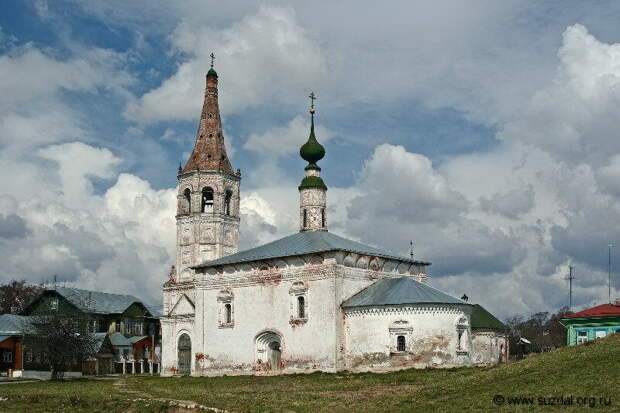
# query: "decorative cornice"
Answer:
x=404 y=309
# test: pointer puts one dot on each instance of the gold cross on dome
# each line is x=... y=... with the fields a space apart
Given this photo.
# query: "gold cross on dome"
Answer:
x=212 y=59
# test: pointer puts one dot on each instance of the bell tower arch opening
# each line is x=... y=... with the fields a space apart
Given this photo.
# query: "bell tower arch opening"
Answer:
x=207 y=200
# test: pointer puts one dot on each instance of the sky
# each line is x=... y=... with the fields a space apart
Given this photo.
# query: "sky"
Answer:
x=483 y=131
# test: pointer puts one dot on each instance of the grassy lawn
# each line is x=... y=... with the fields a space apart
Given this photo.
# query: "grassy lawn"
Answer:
x=591 y=370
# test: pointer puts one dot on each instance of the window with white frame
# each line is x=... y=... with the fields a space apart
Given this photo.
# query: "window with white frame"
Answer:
x=7 y=356
x=299 y=302
x=601 y=333
x=582 y=336
x=226 y=309
x=54 y=304
x=400 y=336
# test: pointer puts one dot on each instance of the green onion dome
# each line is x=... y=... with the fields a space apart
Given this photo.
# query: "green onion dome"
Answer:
x=212 y=72
x=312 y=151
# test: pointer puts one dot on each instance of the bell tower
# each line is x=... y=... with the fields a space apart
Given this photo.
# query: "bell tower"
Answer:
x=312 y=190
x=208 y=192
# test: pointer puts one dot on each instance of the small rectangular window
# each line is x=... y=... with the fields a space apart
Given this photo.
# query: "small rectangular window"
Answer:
x=601 y=333
x=401 y=344
x=54 y=304
x=7 y=357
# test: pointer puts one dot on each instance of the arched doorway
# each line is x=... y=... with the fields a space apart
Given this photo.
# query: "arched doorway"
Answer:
x=184 y=354
x=269 y=350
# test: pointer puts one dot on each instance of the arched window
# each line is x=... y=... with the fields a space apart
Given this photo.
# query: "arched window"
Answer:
x=187 y=200
x=207 y=200
x=305 y=218
x=301 y=307
x=322 y=217
x=225 y=304
x=401 y=344
x=228 y=313
x=227 y=199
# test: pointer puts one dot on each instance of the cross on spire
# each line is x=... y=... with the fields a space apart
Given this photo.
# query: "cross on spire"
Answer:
x=212 y=59
x=312 y=98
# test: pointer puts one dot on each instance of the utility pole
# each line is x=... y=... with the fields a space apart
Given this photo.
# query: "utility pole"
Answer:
x=570 y=287
x=609 y=273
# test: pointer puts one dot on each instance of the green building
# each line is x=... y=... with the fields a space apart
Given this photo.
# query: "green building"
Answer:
x=592 y=323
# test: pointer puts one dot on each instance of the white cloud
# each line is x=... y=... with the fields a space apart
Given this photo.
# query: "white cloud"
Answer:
x=27 y=73
x=77 y=162
x=122 y=242
x=265 y=57
x=511 y=204
x=572 y=118
x=404 y=186
x=285 y=140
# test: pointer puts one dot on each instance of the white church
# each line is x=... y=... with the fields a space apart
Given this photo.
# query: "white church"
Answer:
x=311 y=301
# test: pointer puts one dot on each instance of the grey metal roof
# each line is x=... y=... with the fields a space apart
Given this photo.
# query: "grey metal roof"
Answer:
x=399 y=290
x=13 y=324
x=97 y=302
x=305 y=242
x=119 y=340
x=99 y=339
x=135 y=339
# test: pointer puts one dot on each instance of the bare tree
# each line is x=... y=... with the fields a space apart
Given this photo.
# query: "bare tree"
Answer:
x=65 y=338
x=543 y=330
x=16 y=295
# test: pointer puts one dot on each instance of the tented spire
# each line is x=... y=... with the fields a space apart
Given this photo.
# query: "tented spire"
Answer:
x=209 y=152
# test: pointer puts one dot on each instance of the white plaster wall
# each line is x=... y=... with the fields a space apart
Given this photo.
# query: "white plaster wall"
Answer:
x=432 y=340
x=171 y=330
x=178 y=319
x=488 y=347
x=306 y=346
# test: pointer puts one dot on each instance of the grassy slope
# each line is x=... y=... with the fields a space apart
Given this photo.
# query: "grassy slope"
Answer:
x=588 y=370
